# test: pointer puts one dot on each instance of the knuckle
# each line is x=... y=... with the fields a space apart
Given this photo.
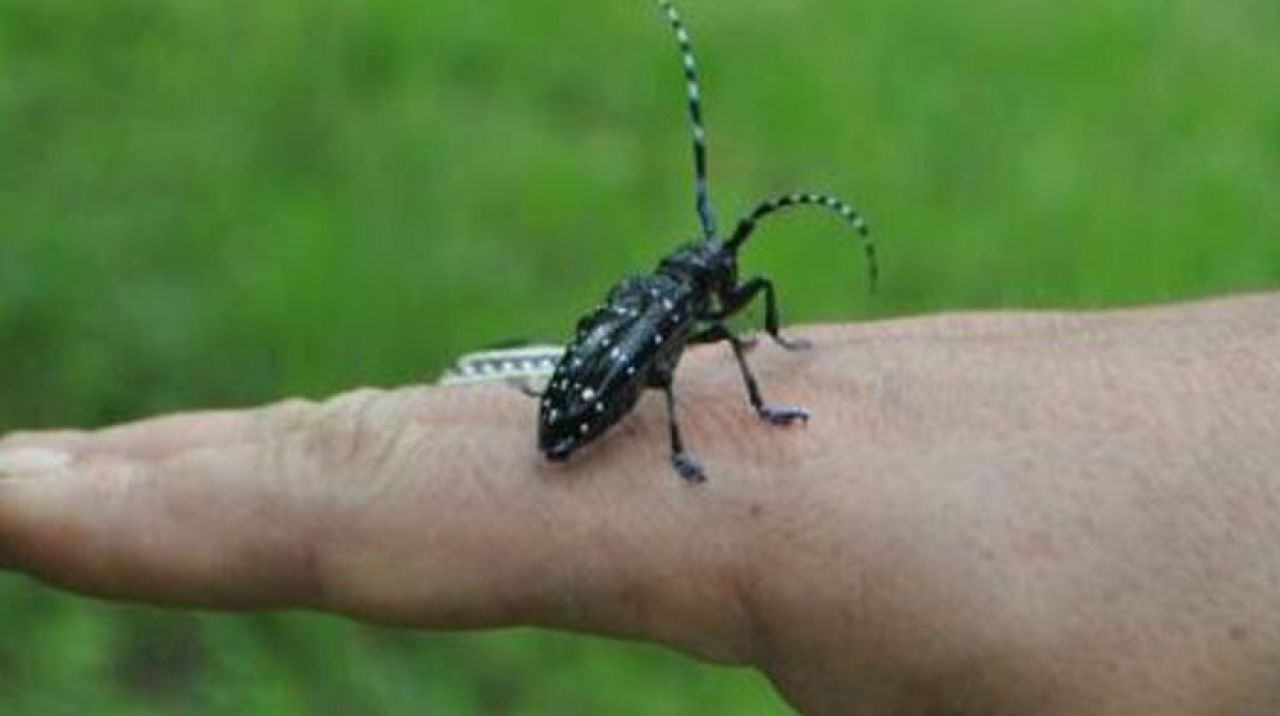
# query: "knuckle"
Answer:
x=275 y=429
x=354 y=428
x=286 y=416
x=351 y=401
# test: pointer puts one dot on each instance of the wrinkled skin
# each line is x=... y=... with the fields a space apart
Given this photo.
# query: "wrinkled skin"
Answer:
x=1001 y=513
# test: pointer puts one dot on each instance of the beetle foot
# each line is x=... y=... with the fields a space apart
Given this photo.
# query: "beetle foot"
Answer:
x=784 y=416
x=688 y=468
x=793 y=344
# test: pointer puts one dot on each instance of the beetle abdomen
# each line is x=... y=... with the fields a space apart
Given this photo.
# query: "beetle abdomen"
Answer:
x=641 y=327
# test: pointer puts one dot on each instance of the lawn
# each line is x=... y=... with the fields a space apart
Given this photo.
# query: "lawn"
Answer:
x=221 y=204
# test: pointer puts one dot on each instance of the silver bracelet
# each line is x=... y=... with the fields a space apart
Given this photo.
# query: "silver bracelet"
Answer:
x=527 y=368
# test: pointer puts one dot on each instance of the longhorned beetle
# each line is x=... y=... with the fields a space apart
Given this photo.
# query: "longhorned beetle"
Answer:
x=635 y=339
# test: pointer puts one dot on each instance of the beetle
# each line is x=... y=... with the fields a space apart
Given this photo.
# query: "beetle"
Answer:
x=635 y=339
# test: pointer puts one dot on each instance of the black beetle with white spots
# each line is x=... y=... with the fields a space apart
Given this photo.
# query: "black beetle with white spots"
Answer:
x=635 y=339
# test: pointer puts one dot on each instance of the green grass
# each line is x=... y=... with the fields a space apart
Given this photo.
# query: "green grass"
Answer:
x=208 y=204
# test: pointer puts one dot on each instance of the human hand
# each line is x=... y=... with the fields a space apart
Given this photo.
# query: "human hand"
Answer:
x=990 y=513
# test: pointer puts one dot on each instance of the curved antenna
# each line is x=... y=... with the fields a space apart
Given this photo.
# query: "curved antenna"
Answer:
x=748 y=224
x=705 y=212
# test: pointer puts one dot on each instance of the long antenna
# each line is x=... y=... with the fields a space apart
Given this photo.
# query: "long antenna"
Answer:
x=767 y=207
x=706 y=213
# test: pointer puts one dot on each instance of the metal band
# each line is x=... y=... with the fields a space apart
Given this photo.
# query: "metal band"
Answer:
x=527 y=367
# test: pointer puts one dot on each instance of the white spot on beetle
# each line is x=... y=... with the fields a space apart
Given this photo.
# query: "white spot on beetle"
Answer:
x=588 y=394
x=583 y=428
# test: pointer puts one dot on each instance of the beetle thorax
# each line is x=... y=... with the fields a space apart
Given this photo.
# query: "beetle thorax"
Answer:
x=708 y=265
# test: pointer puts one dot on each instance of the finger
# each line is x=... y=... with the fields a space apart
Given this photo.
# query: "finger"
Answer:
x=415 y=507
x=195 y=530
x=156 y=438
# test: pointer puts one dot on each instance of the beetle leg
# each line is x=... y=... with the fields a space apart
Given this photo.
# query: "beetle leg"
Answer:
x=683 y=462
x=737 y=299
x=524 y=385
x=777 y=416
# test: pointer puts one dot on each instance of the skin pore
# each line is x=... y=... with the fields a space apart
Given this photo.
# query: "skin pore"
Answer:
x=988 y=513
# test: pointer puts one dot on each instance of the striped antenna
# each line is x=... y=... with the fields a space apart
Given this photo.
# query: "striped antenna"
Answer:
x=748 y=224
x=705 y=212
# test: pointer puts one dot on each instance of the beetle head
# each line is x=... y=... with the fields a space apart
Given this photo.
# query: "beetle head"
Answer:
x=559 y=433
x=560 y=450
x=572 y=416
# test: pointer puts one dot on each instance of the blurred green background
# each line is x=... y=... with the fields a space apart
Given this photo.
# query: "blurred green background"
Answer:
x=215 y=204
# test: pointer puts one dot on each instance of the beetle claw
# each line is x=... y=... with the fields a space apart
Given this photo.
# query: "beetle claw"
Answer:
x=784 y=416
x=794 y=344
x=688 y=468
